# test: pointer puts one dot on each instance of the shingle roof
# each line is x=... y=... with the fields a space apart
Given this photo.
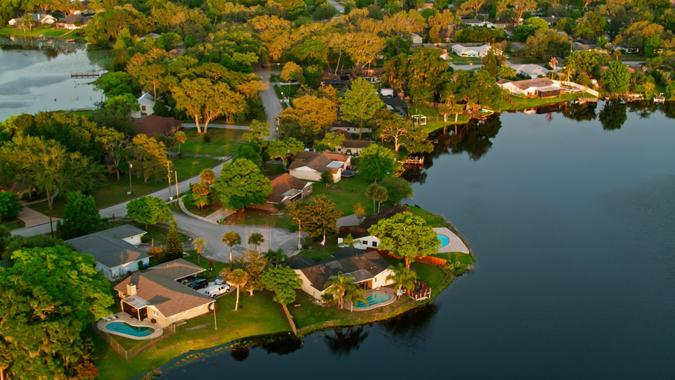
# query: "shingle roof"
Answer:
x=177 y=269
x=154 y=125
x=355 y=143
x=282 y=184
x=362 y=229
x=317 y=161
x=159 y=289
x=108 y=248
x=537 y=82
x=362 y=266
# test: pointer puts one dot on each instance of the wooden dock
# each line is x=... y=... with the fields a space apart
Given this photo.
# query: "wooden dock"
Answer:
x=414 y=161
x=87 y=74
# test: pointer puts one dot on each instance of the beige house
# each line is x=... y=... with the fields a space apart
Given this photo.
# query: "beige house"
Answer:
x=160 y=296
x=352 y=147
x=539 y=87
x=286 y=188
x=310 y=165
x=367 y=269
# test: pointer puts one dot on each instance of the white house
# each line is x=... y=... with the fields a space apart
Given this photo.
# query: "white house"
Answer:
x=361 y=239
x=41 y=18
x=352 y=147
x=478 y=23
x=540 y=87
x=416 y=39
x=367 y=269
x=310 y=165
x=159 y=295
x=116 y=250
x=146 y=105
x=530 y=69
x=473 y=51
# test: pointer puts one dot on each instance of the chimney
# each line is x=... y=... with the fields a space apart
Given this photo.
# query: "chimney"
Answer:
x=131 y=289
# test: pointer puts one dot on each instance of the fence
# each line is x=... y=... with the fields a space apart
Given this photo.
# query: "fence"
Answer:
x=135 y=351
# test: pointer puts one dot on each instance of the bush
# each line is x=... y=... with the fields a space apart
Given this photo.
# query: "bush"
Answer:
x=9 y=205
x=324 y=12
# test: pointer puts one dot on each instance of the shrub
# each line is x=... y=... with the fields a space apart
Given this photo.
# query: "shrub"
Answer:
x=9 y=205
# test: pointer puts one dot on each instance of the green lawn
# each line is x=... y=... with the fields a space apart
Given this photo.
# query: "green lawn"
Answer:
x=12 y=224
x=346 y=193
x=257 y=315
x=222 y=142
x=114 y=192
x=313 y=250
x=38 y=32
x=517 y=103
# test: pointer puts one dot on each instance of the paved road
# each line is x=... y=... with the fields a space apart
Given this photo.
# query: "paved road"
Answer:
x=270 y=102
x=217 y=126
x=213 y=233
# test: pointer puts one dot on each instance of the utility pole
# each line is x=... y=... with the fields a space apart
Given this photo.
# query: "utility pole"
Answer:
x=130 y=167
x=175 y=173
x=168 y=176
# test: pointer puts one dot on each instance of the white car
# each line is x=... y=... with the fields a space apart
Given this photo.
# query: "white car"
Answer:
x=387 y=92
x=214 y=290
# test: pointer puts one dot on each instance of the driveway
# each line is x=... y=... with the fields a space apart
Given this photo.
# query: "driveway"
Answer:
x=275 y=238
x=270 y=102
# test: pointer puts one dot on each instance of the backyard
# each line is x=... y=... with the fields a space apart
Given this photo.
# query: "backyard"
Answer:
x=217 y=142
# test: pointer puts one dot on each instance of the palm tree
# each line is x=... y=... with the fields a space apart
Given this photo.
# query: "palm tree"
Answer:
x=378 y=194
x=231 y=239
x=256 y=239
x=402 y=278
x=199 y=244
x=354 y=293
x=337 y=288
x=275 y=257
x=237 y=278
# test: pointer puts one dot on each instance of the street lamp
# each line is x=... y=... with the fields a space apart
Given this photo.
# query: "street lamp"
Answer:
x=130 y=167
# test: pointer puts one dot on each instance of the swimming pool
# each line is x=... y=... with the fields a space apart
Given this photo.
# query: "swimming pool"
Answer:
x=373 y=299
x=443 y=239
x=123 y=328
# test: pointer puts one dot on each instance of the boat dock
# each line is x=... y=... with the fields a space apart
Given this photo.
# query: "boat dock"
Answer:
x=87 y=74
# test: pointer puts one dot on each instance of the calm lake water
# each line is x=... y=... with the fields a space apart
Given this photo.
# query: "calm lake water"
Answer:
x=35 y=76
x=573 y=226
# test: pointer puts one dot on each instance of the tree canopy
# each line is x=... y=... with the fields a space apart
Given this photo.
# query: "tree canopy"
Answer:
x=406 y=235
x=149 y=210
x=242 y=184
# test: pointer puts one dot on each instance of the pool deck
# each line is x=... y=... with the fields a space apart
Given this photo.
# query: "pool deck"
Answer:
x=124 y=317
x=389 y=291
x=456 y=244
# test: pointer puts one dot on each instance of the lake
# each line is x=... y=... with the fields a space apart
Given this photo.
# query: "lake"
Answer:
x=571 y=216
x=35 y=76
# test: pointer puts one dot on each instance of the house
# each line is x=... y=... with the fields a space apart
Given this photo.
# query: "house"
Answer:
x=39 y=18
x=155 y=126
x=116 y=250
x=352 y=147
x=473 y=51
x=540 y=87
x=343 y=126
x=310 y=165
x=160 y=295
x=478 y=23
x=286 y=188
x=361 y=239
x=416 y=39
x=367 y=269
x=529 y=69
x=72 y=22
x=146 y=105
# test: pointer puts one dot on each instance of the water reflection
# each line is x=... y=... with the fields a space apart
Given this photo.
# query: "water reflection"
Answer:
x=580 y=112
x=282 y=345
x=413 y=322
x=240 y=353
x=345 y=340
x=613 y=115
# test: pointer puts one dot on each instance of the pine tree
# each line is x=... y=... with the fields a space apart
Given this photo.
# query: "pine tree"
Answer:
x=174 y=247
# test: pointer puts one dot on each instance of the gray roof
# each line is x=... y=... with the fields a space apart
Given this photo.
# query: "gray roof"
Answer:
x=108 y=248
x=361 y=266
x=178 y=269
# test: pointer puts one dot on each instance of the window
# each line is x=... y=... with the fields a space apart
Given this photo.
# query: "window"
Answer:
x=374 y=244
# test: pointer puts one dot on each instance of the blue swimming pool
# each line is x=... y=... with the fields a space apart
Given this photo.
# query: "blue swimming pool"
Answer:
x=443 y=239
x=127 y=329
x=373 y=299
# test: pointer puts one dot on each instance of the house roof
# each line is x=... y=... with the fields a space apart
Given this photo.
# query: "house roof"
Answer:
x=355 y=143
x=529 y=83
x=158 y=287
x=317 y=161
x=108 y=248
x=477 y=48
x=362 y=229
x=284 y=183
x=178 y=269
x=154 y=125
x=73 y=19
x=361 y=266
x=530 y=69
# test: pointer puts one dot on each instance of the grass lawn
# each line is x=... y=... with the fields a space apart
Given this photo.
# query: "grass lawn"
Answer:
x=42 y=31
x=261 y=218
x=346 y=193
x=188 y=167
x=12 y=224
x=435 y=119
x=114 y=192
x=223 y=142
x=257 y=315
x=516 y=103
x=313 y=250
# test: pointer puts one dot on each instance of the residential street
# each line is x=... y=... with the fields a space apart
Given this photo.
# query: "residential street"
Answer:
x=270 y=102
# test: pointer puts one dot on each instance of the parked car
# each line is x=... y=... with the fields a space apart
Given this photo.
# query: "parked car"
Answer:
x=214 y=290
x=198 y=283
x=387 y=92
